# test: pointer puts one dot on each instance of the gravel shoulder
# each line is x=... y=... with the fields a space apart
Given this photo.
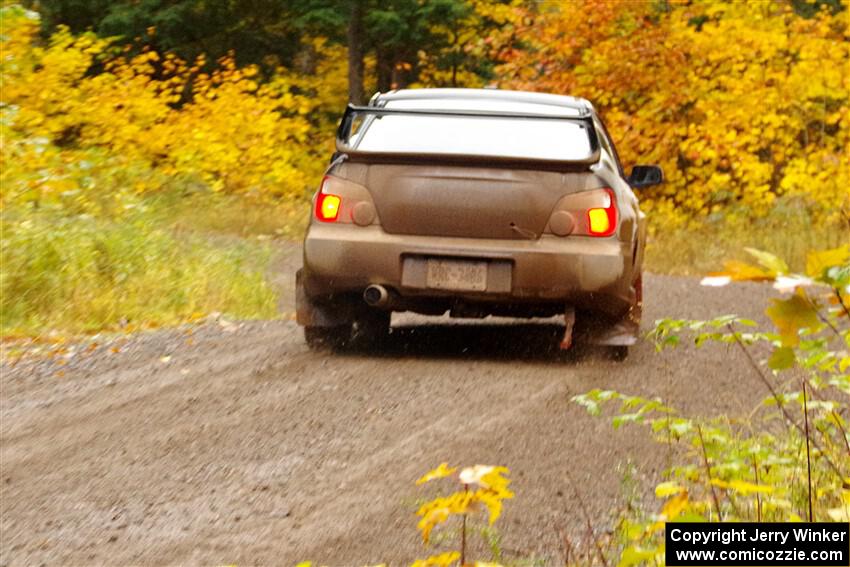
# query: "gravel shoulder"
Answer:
x=231 y=442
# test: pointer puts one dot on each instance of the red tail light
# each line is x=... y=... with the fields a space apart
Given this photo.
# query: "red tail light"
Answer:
x=327 y=204
x=602 y=221
x=327 y=207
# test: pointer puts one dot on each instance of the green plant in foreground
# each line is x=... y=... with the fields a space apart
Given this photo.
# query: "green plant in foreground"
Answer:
x=790 y=461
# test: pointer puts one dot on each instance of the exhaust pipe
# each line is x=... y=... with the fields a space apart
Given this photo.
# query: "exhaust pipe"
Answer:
x=376 y=295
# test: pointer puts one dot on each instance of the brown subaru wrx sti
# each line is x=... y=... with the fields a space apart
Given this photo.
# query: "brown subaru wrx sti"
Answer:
x=476 y=203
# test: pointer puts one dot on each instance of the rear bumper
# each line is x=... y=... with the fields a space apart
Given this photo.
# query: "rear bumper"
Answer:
x=580 y=270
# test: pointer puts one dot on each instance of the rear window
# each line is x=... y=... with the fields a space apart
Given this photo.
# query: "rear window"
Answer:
x=509 y=137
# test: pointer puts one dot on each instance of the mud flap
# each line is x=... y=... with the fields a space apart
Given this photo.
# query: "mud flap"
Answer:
x=312 y=314
x=624 y=333
x=569 y=324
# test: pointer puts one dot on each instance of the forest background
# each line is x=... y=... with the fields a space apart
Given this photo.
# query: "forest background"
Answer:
x=154 y=151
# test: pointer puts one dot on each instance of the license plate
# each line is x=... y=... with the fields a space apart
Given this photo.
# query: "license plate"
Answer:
x=457 y=274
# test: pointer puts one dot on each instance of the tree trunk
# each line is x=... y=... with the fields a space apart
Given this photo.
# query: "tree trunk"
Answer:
x=355 y=53
x=385 y=65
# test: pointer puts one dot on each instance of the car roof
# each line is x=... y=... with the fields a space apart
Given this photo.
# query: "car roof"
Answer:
x=484 y=99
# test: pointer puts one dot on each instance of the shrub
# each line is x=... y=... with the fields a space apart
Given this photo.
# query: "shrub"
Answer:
x=83 y=273
x=79 y=109
x=788 y=462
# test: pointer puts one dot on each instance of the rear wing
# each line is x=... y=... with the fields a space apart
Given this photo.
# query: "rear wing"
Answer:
x=368 y=114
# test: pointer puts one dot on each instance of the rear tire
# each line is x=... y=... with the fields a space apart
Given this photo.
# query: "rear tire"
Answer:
x=323 y=338
x=618 y=353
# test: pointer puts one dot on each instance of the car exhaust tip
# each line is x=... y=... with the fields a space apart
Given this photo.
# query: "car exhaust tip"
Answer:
x=376 y=295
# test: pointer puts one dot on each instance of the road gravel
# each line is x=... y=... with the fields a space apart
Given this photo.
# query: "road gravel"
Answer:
x=230 y=442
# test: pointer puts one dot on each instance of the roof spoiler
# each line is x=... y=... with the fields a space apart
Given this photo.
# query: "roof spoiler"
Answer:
x=584 y=118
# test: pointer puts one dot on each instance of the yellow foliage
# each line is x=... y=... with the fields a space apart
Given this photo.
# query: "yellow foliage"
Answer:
x=145 y=121
x=441 y=509
x=742 y=486
x=740 y=103
x=818 y=261
x=675 y=505
x=441 y=560
x=742 y=271
x=792 y=315
x=492 y=489
x=440 y=472
x=668 y=488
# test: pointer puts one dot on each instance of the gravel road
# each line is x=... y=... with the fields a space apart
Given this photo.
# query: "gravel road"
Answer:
x=230 y=442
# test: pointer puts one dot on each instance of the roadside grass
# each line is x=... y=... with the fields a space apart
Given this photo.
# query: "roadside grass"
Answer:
x=79 y=274
x=234 y=215
x=185 y=252
x=789 y=231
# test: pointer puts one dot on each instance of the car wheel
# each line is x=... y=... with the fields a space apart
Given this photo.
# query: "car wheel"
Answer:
x=321 y=338
x=372 y=328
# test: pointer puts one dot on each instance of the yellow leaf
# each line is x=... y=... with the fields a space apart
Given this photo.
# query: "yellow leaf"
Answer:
x=666 y=489
x=741 y=271
x=438 y=511
x=791 y=315
x=492 y=499
x=441 y=560
x=440 y=472
x=673 y=507
x=817 y=262
x=431 y=519
x=494 y=480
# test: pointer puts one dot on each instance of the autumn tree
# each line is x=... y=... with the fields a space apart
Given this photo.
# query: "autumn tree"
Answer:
x=401 y=38
x=740 y=103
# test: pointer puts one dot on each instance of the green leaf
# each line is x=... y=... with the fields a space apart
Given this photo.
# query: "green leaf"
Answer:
x=635 y=556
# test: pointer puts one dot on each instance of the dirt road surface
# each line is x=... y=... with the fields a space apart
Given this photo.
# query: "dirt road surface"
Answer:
x=231 y=442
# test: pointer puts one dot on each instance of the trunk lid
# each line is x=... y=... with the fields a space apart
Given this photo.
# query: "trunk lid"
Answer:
x=461 y=201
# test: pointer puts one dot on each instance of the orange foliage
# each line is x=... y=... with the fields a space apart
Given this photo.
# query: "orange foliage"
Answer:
x=739 y=102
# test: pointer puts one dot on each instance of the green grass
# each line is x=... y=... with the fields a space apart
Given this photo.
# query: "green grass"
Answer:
x=234 y=215
x=178 y=255
x=790 y=231
x=78 y=274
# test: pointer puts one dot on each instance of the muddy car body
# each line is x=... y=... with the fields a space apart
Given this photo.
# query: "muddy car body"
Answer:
x=475 y=203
